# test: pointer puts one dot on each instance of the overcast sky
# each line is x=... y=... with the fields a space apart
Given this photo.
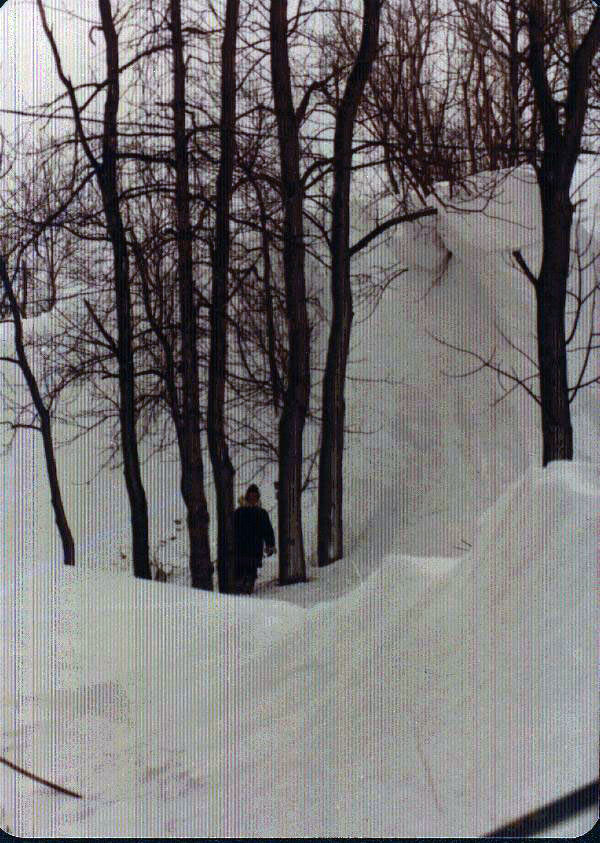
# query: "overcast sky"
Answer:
x=26 y=65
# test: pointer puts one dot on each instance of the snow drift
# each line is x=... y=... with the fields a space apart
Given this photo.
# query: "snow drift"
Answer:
x=421 y=704
x=449 y=688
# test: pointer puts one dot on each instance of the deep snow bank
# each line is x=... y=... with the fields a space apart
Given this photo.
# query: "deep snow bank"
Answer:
x=439 y=696
x=426 y=702
x=427 y=450
x=430 y=446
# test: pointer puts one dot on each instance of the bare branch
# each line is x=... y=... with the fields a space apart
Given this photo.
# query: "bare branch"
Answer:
x=415 y=215
x=523 y=264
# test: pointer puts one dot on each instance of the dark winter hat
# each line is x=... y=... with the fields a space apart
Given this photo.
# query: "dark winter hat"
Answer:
x=252 y=489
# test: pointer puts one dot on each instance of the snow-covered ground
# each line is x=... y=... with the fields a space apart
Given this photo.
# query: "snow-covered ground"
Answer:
x=439 y=681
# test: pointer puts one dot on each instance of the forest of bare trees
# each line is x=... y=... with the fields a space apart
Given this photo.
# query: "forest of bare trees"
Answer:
x=188 y=204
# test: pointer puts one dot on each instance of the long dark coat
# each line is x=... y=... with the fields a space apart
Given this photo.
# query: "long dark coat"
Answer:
x=253 y=530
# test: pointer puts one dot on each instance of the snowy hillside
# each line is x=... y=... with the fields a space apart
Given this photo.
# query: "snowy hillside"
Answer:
x=438 y=681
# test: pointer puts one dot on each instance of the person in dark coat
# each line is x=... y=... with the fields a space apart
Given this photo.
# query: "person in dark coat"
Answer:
x=253 y=533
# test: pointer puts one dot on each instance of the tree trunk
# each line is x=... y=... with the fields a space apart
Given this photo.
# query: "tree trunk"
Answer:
x=108 y=181
x=223 y=471
x=330 y=517
x=192 y=468
x=513 y=82
x=557 y=216
x=292 y=566
x=562 y=145
x=45 y=422
x=276 y=383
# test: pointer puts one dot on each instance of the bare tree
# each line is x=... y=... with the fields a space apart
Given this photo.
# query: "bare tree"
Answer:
x=223 y=471
x=192 y=468
x=410 y=105
x=582 y=334
x=106 y=170
x=330 y=517
x=292 y=565
x=562 y=127
x=45 y=424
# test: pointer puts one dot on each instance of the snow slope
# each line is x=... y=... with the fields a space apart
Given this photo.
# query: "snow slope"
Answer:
x=428 y=450
x=440 y=680
x=421 y=704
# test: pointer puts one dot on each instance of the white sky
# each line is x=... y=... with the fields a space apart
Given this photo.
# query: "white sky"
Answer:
x=26 y=64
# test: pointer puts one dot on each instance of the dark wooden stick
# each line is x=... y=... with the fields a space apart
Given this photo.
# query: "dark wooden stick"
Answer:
x=414 y=215
x=523 y=264
x=39 y=779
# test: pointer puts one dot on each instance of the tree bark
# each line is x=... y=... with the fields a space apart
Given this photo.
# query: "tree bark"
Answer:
x=108 y=181
x=292 y=566
x=223 y=471
x=192 y=468
x=44 y=419
x=330 y=516
x=276 y=382
x=551 y=288
x=562 y=145
x=513 y=81
x=106 y=172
